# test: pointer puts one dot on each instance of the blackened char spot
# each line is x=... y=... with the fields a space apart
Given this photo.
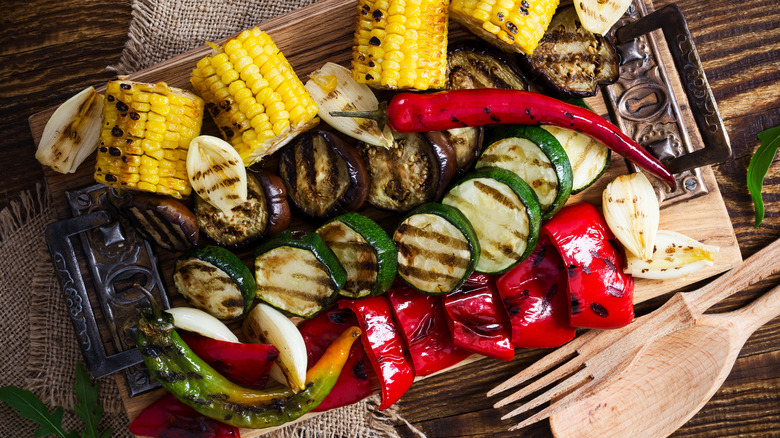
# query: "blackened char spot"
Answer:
x=374 y=41
x=338 y=317
x=572 y=270
x=539 y=257
x=121 y=106
x=610 y=264
x=575 y=305
x=494 y=118
x=599 y=310
x=614 y=291
x=586 y=269
x=359 y=370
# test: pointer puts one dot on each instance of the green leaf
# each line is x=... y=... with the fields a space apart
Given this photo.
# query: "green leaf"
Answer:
x=759 y=166
x=31 y=407
x=87 y=406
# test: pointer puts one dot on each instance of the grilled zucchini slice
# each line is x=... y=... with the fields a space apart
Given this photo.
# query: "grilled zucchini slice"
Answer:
x=505 y=215
x=297 y=273
x=589 y=158
x=437 y=248
x=365 y=251
x=216 y=281
x=534 y=155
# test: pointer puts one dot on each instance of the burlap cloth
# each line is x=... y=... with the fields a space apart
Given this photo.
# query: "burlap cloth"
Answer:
x=39 y=349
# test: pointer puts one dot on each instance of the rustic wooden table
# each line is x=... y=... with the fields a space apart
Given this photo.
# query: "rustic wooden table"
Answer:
x=50 y=50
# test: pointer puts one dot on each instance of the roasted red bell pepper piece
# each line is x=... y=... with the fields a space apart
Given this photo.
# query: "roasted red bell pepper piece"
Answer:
x=425 y=330
x=354 y=382
x=477 y=319
x=414 y=112
x=384 y=345
x=167 y=417
x=600 y=294
x=535 y=296
x=245 y=364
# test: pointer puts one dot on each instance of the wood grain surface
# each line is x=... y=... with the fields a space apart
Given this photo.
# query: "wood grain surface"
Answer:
x=51 y=50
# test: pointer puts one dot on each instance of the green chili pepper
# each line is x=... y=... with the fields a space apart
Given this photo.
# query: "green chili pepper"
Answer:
x=198 y=385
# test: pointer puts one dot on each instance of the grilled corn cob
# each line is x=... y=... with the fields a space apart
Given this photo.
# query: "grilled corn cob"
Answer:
x=509 y=24
x=254 y=96
x=145 y=135
x=401 y=44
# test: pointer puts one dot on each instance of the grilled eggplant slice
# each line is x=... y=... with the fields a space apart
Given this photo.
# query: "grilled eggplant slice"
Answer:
x=437 y=248
x=411 y=172
x=249 y=221
x=161 y=219
x=470 y=66
x=279 y=216
x=216 y=281
x=570 y=61
x=324 y=176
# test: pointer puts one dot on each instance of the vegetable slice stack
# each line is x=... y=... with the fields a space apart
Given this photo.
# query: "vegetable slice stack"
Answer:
x=401 y=44
x=504 y=212
x=365 y=251
x=254 y=95
x=437 y=248
x=297 y=273
x=535 y=156
x=147 y=129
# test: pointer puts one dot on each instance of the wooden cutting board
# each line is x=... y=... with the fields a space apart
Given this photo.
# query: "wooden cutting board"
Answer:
x=322 y=32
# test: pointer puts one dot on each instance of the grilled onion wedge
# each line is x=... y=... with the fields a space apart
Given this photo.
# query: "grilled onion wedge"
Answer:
x=675 y=255
x=505 y=215
x=365 y=251
x=437 y=248
x=72 y=132
x=598 y=16
x=266 y=325
x=297 y=273
x=632 y=212
x=216 y=172
x=334 y=89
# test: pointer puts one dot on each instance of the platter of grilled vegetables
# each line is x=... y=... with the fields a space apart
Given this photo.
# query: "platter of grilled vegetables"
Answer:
x=316 y=199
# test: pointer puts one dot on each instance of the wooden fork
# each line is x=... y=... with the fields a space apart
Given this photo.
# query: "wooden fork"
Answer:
x=583 y=364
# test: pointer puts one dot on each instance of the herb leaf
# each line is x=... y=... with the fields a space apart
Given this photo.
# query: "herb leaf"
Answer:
x=88 y=407
x=31 y=407
x=759 y=166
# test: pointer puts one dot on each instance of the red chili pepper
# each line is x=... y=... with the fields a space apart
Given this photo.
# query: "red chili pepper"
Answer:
x=354 y=382
x=601 y=295
x=478 y=322
x=412 y=112
x=245 y=364
x=384 y=346
x=424 y=326
x=535 y=296
x=167 y=417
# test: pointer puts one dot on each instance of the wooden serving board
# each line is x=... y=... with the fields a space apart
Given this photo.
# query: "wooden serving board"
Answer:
x=328 y=26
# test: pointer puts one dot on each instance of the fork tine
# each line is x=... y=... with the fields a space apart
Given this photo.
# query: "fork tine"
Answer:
x=553 y=359
x=569 y=384
x=547 y=379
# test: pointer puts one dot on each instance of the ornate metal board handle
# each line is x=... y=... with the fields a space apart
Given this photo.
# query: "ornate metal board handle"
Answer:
x=58 y=238
x=686 y=59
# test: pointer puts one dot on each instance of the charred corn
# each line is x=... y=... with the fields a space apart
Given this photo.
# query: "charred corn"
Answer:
x=146 y=132
x=254 y=96
x=401 y=44
x=508 y=24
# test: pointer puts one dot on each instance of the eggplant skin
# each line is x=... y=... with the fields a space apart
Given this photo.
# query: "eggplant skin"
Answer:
x=471 y=66
x=279 y=214
x=323 y=175
x=571 y=61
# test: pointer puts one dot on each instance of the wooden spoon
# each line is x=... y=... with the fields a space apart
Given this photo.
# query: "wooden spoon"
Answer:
x=670 y=380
